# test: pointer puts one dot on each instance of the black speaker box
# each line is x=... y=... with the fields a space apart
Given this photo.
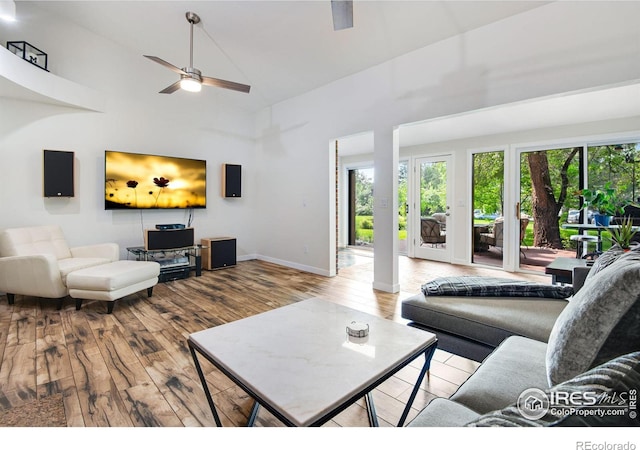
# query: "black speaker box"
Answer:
x=218 y=253
x=58 y=173
x=168 y=239
x=231 y=180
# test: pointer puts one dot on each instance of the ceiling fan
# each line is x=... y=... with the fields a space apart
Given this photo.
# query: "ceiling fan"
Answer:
x=191 y=79
x=342 y=11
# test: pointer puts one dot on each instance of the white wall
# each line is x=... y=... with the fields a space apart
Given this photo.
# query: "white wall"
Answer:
x=136 y=119
x=558 y=47
x=287 y=212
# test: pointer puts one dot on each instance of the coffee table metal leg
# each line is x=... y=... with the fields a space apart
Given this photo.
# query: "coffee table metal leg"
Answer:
x=207 y=393
x=371 y=410
x=254 y=414
x=428 y=354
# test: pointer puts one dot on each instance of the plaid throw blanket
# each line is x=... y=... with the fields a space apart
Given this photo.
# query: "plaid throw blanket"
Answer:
x=493 y=287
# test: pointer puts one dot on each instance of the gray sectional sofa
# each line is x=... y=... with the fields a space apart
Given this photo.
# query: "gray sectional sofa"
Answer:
x=473 y=326
x=593 y=344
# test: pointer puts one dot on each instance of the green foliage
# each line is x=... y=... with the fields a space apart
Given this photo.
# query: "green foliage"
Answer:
x=403 y=168
x=624 y=233
x=365 y=235
x=488 y=182
x=604 y=201
x=364 y=194
x=615 y=164
x=364 y=204
x=402 y=223
x=433 y=188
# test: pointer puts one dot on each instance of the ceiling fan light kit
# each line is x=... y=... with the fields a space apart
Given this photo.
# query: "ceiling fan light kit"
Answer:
x=191 y=82
x=190 y=85
x=191 y=79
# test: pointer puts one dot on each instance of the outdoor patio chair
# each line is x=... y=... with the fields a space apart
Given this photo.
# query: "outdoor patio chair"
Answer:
x=431 y=232
x=495 y=236
x=442 y=220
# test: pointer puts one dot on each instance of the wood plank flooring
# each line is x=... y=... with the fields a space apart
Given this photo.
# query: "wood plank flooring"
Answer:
x=133 y=368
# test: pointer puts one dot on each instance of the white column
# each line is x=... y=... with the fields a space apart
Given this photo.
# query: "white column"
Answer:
x=385 y=209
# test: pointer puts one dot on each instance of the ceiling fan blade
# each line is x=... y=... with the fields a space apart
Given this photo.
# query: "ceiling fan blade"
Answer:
x=171 y=89
x=166 y=64
x=208 y=81
x=342 y=11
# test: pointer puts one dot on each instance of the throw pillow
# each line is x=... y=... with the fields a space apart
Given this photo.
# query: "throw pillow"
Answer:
x=494 y=287
x=610 y=386
x=600 y=322
x=605 y=260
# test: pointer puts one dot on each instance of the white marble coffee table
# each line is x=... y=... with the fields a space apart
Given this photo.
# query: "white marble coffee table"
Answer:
x=297 y=361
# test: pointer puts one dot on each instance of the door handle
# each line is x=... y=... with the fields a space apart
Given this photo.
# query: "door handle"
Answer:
x=518 y=210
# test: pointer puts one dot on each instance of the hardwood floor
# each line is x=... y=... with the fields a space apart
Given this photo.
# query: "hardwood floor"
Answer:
x=133 y=368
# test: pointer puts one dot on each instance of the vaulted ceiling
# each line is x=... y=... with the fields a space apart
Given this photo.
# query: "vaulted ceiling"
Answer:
x=280 y=48
x=285 y=48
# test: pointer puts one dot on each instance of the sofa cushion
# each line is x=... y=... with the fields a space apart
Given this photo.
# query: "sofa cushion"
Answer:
x=443 y=413
x=601 y=321
x=488 y=320
x=34 y=241
x=493 y=287
x=517 y=364
x=610 y=384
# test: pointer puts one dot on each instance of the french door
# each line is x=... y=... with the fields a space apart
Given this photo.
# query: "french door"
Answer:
x=432 y=212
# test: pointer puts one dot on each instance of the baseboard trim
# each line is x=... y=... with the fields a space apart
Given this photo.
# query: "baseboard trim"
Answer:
x=304 y=268
x=386 y=287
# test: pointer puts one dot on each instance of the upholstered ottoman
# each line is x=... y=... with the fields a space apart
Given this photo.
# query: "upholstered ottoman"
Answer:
x=110 y=282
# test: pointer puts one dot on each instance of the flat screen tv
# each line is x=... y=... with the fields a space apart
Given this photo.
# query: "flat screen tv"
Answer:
x=138 y=181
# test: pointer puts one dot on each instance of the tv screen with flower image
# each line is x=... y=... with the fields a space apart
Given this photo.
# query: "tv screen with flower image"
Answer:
x=138 y=181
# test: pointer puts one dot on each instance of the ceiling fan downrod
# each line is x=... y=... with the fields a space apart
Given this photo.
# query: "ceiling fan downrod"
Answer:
x=193 y=19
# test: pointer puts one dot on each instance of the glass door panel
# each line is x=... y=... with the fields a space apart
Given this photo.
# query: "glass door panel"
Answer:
x=434 y=211
x=548 y=182
x=488 y=203
x=361 y=207
x=403 y=206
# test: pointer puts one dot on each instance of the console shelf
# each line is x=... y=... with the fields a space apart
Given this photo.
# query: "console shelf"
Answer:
x=175 y=263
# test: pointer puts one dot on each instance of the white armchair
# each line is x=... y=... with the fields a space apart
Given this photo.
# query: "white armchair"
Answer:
x=35 y=261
